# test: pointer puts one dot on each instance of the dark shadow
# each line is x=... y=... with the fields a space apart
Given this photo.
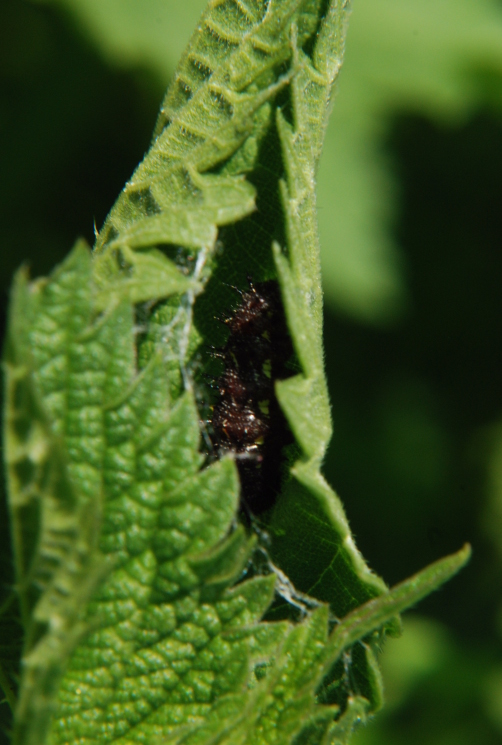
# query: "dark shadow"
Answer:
x=408 y=401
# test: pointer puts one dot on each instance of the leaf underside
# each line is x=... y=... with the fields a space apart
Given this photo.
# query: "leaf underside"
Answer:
x=139 y=596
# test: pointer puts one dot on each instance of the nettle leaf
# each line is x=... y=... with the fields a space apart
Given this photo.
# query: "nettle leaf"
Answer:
x=422 y=57
x=55 y=526
x=151 y=611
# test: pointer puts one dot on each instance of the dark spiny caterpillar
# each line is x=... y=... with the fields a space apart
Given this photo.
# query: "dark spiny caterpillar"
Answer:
x=247 y=420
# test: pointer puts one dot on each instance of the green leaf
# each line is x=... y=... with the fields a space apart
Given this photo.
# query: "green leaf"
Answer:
x=376 y=612
x=55 y=526
x=142 y=596
x=211 y=109
x=207 y=120
x=433 y=58
x=124 y=458
x=141 y=275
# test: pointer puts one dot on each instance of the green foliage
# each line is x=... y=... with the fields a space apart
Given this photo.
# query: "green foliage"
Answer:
x=441 y=58
x=126 y=543
x=165 y=639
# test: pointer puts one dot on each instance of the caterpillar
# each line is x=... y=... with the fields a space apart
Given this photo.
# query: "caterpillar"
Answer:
x=247 y=420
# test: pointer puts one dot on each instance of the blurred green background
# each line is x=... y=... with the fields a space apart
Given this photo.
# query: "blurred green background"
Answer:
x=410 y=214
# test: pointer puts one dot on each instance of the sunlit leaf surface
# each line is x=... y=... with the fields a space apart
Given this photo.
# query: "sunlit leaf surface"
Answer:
x=146 y=611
